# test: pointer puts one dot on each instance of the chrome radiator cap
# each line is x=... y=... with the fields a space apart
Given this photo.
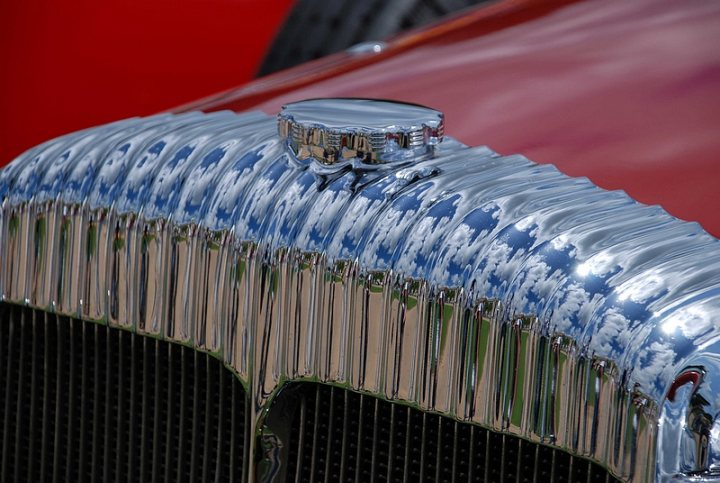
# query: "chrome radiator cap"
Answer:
x=367 y=131
x=484 y=287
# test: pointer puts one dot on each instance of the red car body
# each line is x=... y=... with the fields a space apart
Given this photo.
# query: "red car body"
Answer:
x=69 y=65
x=625 y=93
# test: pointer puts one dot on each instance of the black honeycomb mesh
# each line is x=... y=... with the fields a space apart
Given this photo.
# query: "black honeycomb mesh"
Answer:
x=83 y=402
x=339 y=435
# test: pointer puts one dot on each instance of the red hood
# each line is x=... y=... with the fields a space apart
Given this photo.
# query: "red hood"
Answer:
x=625 y=93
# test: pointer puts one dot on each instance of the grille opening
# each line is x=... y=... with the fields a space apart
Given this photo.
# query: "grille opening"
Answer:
x=84 y=402
x=335 y=434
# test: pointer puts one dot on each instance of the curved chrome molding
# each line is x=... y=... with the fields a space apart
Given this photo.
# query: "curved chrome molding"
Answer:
x=483 y=287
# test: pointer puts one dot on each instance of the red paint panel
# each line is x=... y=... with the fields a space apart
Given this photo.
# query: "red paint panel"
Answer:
x=67 y=65
x=625 y=93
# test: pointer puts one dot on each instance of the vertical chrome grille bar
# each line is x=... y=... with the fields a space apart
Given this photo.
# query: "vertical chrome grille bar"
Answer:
x=519 y=468
x=487 y=456
x=301 y=448
x=109 y=378
x=233 y=436
x=155 y=470
x=10 y=402
x=18 y=449
x=58 y=395
x=145 y=452
x=46 y=398
x=209 y=377
x=95 y=443
x=15 y=395
x=114 y=404
x=331 y=424
x=222 y=409
x=315 y=434
x=195 y=421
x=246 y=427
x=346 y=418
x=455 y=447
x=35 y=418
x=183 y=415
x=503 y=459
x=471 y=455
x=391 y=443
x=4 y=381
x=406 y=469
x=423 y=436
x=85 y=398
x=8 y=399
x=359 y=441
x=374 y=458
x=132 y=429
x=119 y=443
x=70 y=408
x=171 y=414
x=438 y=452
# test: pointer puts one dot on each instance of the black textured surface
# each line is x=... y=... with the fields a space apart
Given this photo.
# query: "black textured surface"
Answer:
x=316 y=28
x=340 y=435
x=82 y=402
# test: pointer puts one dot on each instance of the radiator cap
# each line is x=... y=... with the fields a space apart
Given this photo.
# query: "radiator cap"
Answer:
x=364 y=131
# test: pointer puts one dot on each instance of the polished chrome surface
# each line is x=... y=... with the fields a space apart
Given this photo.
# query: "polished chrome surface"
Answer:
x=361 y=132
x=480 y=286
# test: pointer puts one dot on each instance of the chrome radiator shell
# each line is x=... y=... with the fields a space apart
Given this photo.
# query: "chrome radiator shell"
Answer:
x=483 y=287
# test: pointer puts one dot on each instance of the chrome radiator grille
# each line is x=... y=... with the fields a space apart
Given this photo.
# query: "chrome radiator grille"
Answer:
x=84 y=402
x=482 y=287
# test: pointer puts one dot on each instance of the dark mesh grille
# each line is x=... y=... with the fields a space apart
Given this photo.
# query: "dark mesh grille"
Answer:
x=82 y=402
x=340 y=435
